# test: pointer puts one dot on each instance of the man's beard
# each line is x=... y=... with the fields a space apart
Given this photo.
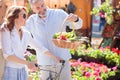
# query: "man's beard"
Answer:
x=42 y=15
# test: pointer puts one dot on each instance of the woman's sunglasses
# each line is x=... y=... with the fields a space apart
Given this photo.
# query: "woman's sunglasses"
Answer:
x=24 y=16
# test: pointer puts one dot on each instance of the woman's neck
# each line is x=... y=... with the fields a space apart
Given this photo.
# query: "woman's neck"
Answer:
x=18 y=26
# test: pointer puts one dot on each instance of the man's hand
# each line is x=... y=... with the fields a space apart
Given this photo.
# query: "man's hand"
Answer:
x=72 y=17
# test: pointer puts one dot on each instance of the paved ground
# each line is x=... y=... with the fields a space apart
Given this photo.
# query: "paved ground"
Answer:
x=96 y=35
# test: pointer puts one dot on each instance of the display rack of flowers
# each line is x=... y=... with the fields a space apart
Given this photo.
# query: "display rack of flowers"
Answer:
x=102 y=55
x=89 y=60
x=91 y=71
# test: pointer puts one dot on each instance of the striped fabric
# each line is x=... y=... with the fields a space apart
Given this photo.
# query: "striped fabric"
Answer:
x=15 y=74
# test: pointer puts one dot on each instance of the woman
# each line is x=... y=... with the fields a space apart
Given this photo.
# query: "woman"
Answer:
x=14 y=44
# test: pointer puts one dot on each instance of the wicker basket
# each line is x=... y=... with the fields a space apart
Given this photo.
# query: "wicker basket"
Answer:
x=66 y=44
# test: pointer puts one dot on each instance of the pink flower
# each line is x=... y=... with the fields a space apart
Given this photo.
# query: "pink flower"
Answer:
x=74 y=64
x=101 y=48
x=79 y=60
x=114 y=68
x=87 y=74
x=72 y=72
x=98 y=78
x=74 y=79
x=117 y=6
x=101 y=15
x=96 y=73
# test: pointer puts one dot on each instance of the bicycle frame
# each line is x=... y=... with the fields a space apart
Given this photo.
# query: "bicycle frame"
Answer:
x=50 y=77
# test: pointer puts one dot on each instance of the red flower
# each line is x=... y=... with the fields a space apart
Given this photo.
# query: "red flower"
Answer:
x=63 y=37
x=116 y=50
x=119 y=52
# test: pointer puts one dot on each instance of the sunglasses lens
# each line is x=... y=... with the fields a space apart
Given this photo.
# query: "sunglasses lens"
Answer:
x=24 y=16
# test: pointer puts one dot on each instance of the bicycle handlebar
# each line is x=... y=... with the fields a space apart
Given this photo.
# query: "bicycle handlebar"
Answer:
x=61 y=61
x=50 y=71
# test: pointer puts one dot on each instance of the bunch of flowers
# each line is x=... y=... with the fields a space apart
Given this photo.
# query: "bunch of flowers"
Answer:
x=29 y=56
x=91 y=71
x=106 y=10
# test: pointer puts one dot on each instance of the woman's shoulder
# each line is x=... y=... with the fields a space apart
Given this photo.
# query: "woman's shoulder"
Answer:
x=3 y=27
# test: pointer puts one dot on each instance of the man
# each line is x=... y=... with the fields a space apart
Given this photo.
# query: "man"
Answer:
x=43 y=25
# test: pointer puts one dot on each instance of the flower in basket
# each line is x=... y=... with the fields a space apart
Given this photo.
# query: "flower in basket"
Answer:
x=106 y=10
x=69 y=36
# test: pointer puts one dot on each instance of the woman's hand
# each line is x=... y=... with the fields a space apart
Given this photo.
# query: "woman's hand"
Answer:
x=31 y=65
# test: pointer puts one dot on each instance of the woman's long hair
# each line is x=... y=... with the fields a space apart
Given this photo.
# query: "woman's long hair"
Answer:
x=11 y=14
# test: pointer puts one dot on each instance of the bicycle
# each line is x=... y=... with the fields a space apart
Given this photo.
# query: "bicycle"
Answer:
x=56 y=75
